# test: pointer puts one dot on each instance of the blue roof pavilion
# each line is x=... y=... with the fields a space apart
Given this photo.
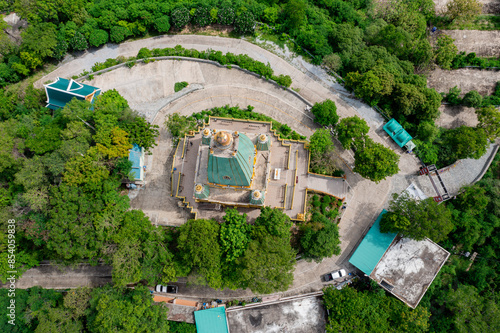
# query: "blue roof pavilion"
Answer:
x=372 y=247
x=61 y=91
x=136 y=156
x=211 y=320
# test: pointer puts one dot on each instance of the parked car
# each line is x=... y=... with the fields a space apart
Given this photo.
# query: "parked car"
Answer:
x=171 y=289
x=335 y=275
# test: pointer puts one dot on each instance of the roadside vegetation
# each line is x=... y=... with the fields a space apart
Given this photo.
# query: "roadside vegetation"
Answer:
x=100 y=310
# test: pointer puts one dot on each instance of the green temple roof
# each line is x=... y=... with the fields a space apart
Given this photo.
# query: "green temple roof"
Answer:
x=231 y=160
x=62 y=91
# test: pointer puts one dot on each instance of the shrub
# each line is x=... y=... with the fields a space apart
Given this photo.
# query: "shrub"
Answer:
x=144 y=53
x=180 y=18
x=78 y=42
x=162 y=24
x=283 y=80
x=244 y=23
x=202 y=16
x=98 y=37
x=226 y=15
x=118 y=34
x=180 y=85
x=472 y=99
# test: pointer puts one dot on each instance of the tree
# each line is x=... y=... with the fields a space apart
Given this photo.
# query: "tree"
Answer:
x=119 y=33
x=472 y=99
x=374 y=161
x=417 y=219
x=320 y=239
x=128 y=310
x=78 y=42
x=463 y=10
x=98 y=37
x=267 y=265
x=226 y=15
x=275 y=222
x=40 y=39
x=234 y=234
x=445 y=51
x=321 y=142
x=119 y=145
x=162 y=24
x=463 y=142
x=371 y=311
x=489 y=120
x=332 y=61
x=350 y=130
x=470 y=311
x=325 y=113
x=199 y=249
x=295 y=13
x=142 y=133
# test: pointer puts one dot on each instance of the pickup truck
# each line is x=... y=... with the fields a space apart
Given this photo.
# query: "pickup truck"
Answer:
x=335 y=275
x=170 y=289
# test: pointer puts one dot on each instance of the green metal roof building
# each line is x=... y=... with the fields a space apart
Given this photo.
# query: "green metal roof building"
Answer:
x=62 y=91
x=397 y=132
x=211 y=320
x=372 y=247
x=231 y=159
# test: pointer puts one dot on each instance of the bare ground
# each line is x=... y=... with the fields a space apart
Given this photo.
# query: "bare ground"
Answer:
x=489 y=6
x=484 y=81
x=456 y=116
x=483 y=43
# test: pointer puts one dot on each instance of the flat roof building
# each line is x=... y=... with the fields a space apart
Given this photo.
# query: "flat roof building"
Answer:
x=402 y=266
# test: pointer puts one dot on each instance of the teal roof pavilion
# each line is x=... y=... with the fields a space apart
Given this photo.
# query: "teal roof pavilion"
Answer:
x=61 y=91
x=372 y=247
x=231 y=159
x=211 y=320
x=397 y=132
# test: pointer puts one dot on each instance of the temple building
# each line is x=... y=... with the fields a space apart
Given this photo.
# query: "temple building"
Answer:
x=245 y=164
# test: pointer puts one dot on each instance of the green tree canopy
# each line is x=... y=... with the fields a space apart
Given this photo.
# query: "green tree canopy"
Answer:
x=129 y=310
x=374 y=161
x=199 y=249
x=351 y=130
x=320 y=238
x=417 y=219
x=234 y=234
x=325 y=113
x=371 y=311
x=489 y=119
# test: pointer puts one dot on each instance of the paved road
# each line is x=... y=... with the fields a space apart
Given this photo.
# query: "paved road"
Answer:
x=154 y=81
x=61 y=277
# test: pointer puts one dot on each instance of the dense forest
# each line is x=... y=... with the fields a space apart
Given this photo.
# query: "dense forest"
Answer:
x=61 y=171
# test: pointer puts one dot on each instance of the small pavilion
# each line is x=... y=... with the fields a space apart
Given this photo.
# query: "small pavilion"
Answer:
x=61 y=91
